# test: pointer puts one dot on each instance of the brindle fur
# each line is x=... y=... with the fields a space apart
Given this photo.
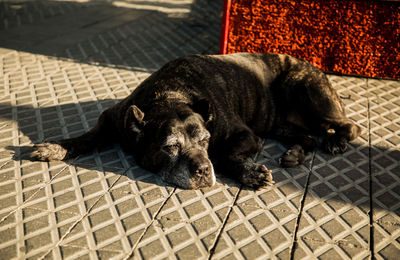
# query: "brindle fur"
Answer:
x=223 y=104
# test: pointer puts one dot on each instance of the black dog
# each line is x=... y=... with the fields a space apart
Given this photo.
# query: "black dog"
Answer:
x=223 y=102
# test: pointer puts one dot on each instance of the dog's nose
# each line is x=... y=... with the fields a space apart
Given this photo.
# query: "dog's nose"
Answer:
x=200 y=168
x=203 y=176
x=203 y=169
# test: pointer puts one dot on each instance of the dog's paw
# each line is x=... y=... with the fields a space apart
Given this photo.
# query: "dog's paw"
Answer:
x=335 y=145
x=256 y=176
x=292 y=157
x=48 y=152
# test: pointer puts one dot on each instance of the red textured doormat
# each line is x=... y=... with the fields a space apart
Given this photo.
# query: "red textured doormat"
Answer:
x=340 y=36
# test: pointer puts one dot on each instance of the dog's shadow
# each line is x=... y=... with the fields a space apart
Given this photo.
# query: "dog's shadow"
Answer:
x=109 y=159
x=36 y=125
x=51 y=123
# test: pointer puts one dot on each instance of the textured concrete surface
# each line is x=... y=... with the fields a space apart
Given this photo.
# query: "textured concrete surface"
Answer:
x=63 y=62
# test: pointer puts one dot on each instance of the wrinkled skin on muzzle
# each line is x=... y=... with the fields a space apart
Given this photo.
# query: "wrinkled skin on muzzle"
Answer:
x=193 y=170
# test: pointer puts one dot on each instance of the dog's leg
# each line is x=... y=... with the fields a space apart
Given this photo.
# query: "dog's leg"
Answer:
x=299 y=141
x=308 y=91
x=339 y=134
x=65 y=149
x=237 y=159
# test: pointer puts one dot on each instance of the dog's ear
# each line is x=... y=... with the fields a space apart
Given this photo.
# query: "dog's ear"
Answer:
x=202 y=107
x=134 y=119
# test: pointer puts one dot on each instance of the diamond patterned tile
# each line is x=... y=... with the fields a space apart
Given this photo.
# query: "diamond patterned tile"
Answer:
x=103 y=206
x=334 y=222
x=262 y=223
x=385 y=158
x=188 y=224
x=350 y=87
x=115 y=221
x=16 y=14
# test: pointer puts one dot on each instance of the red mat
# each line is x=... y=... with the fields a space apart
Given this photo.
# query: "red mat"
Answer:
x=340 y=36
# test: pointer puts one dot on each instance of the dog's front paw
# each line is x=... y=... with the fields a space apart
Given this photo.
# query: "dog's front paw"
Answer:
x=48 y=152
x=256 y=176
x=335 y=144
x=292 y=157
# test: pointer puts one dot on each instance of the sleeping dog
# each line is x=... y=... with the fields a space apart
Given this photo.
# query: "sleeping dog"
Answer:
x=222 y=105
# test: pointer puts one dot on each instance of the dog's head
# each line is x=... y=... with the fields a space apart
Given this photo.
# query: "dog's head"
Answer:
x=172 y=140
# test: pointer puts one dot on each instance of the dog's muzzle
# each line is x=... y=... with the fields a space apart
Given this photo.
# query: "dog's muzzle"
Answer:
x=201 y=170
x=193 y=170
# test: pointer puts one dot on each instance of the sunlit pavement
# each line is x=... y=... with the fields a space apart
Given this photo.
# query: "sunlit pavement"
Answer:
x=63 y=62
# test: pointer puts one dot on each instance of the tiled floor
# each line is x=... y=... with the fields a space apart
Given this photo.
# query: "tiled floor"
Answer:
x=63 y=62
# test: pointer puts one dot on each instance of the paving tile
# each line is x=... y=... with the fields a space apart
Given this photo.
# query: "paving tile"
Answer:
x=385 y=158
x=262 y=223
x=17 y=14
x=334 y=222
x=103 y=205
x=188 y=224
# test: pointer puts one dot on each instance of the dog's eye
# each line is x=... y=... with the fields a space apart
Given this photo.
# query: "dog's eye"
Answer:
x=174 y=148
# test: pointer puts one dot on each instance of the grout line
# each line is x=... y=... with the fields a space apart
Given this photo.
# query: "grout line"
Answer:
x=5 y=163
x=88 y=249
x=130 y=255
x=4 y=126
x=52 y=218
x=211 y=251
x=79 y=220
x=34 y=194
x=302 y=203
x=371 y=203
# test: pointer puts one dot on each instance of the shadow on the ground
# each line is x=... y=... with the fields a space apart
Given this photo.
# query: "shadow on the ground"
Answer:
x=53 y=123
x=129 y=35
x=112 y=33
x=135 y=35
x=57 y=122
